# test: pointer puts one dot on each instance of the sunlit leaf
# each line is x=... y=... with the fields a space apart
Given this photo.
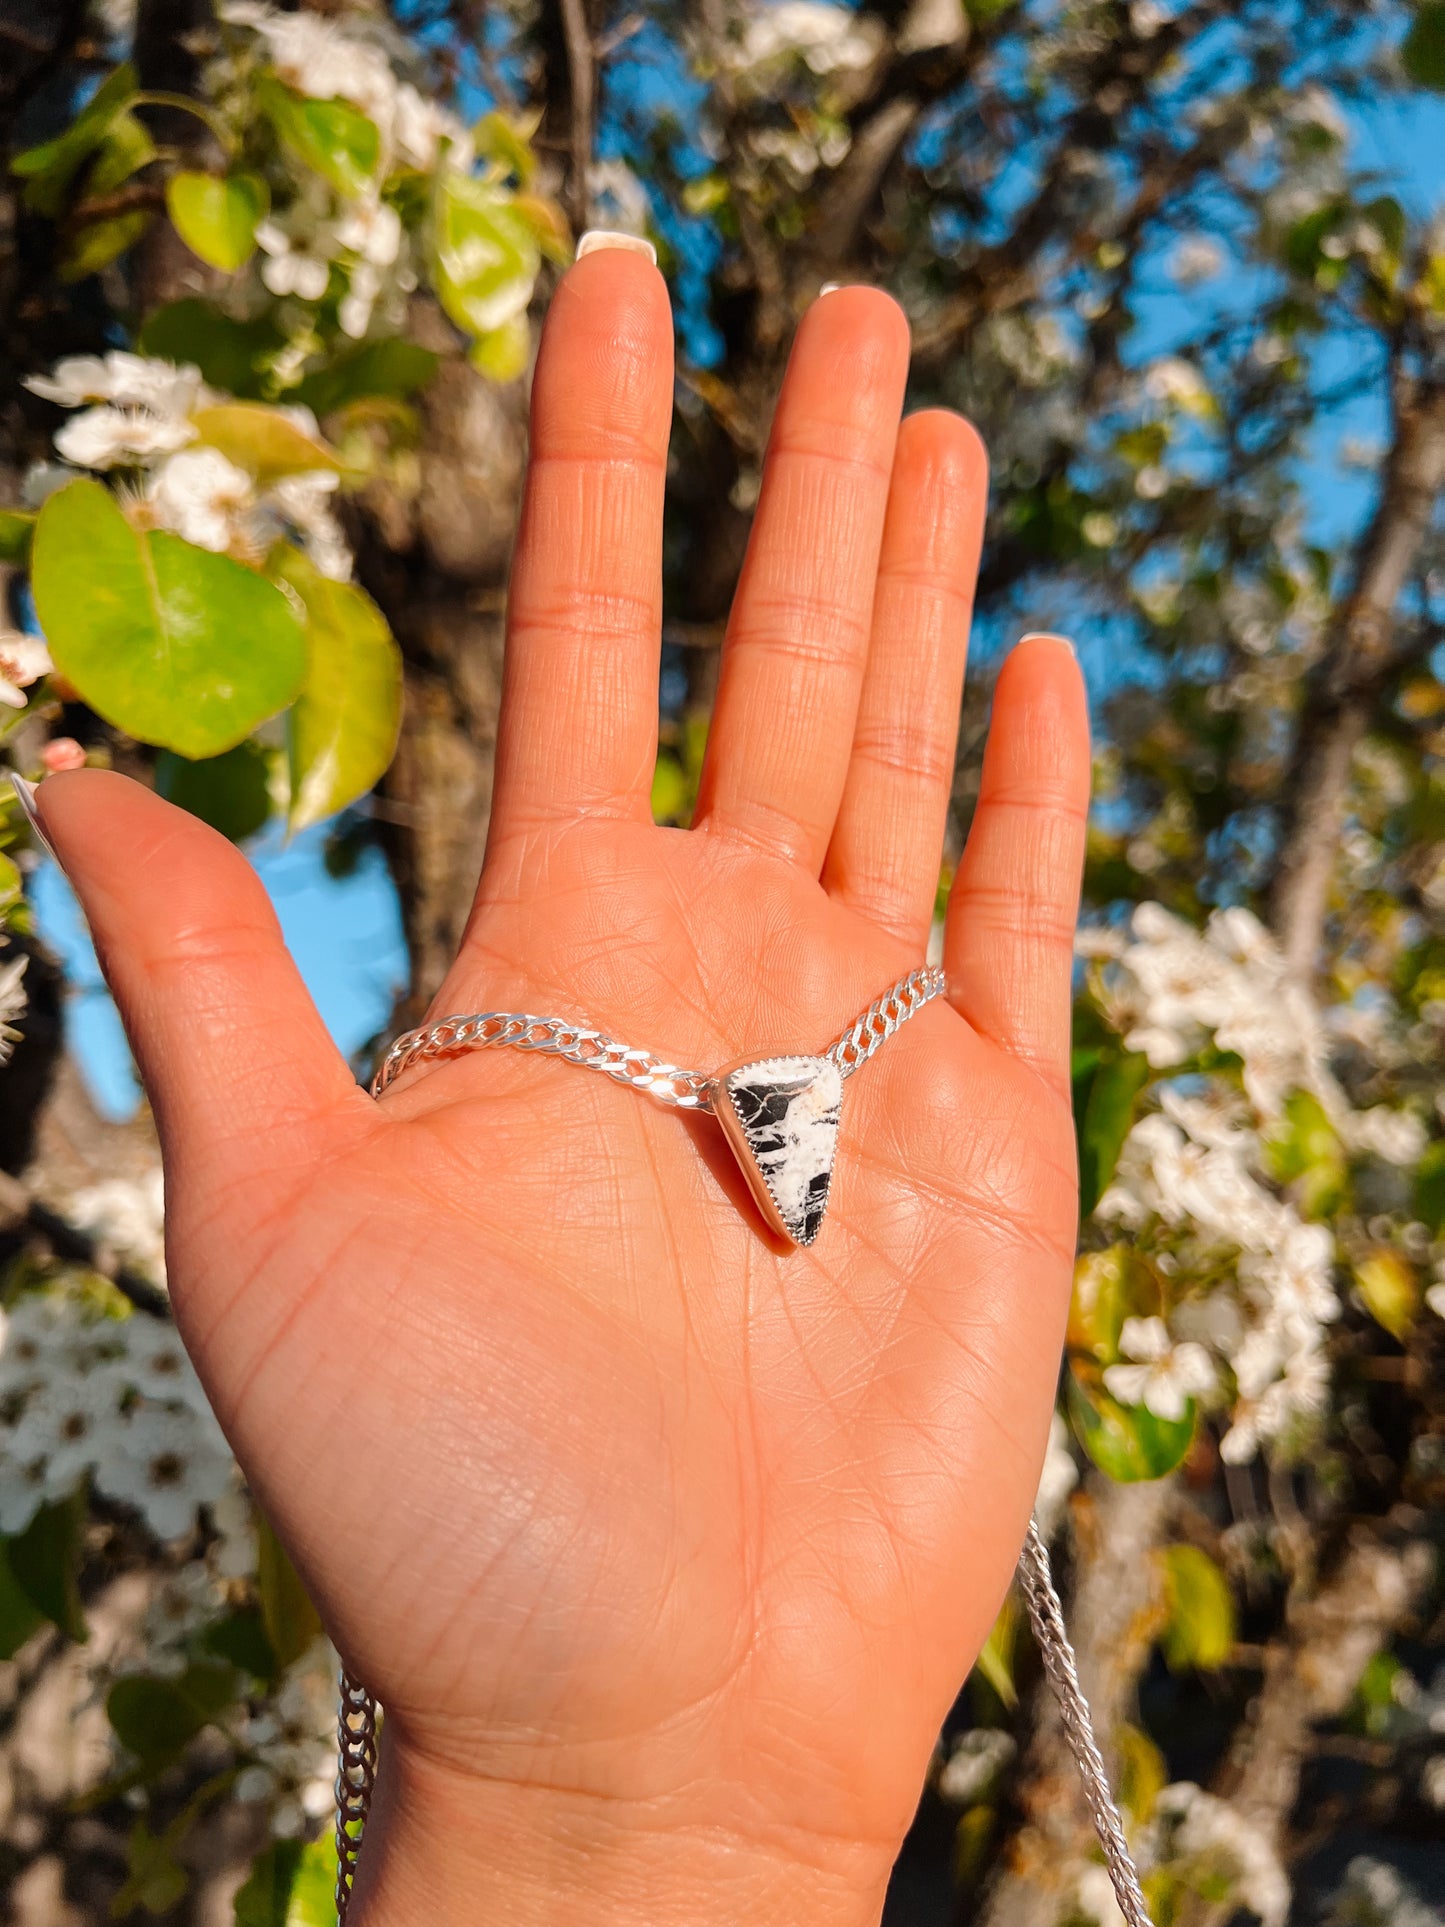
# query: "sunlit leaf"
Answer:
x=1143 y=1772
x=505 y=140
x=177 y=646
x=216 y=216
x=1201 y=1627
x=1109 y=1286
x=502 y=355
x=1304 y=1151
x=333 y=138
x=487 y=255
x=1127 y=1442
x=290 y=1885
x=995 y=1663
x=155 y=1880
x=263 y=441
x=1390 y=1289
x=342 y=731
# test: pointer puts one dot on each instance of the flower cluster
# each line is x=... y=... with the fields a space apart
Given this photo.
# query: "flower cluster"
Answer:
x=324 y=241
x=291 y=1743
x=1252 y=1280
x=88 y=1396
x=137 y=416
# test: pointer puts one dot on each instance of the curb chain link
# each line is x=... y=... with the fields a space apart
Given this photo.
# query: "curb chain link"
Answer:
x=693 y=1091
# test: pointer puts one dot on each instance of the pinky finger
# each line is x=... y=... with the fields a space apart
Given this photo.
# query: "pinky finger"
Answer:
x=1009 y=941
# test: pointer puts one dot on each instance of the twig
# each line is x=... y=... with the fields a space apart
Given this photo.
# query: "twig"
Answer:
x=581 y=83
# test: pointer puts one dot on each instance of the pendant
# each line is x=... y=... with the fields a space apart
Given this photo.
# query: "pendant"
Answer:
x=780 y=1115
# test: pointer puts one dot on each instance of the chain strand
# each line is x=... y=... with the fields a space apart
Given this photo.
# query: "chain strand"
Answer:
x=1046 y=1616
x=693 y=1091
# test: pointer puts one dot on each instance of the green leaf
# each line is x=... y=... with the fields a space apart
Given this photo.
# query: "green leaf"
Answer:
x=995 y=1663
x=19 y=1615
x=1390 y=1289
x=99 y=243
x=174 y=645
x=156 y=1719
x=263 y=441
x=1423 y=51
x=231 y=792
x=44 y=1563
x=487 y=255
x=1127 y=1442
x=342 y=731
x=507 y=142
x=1104 y=1113
x=126 y=149
x=1201 y=1628
x=240 y=1637
x=49 y=168
x=1143 y=1772
x=16 y=528
x=1109 y=1286
x=1430 y=1186
x=230 y=354
x=672 y=794
x=155 y=1879
x=333 y=138
x=265 y=1900
x=290 y=1886
x=390 y=367
x=289 y=1617
x=1304 y=1151
x=502 y=355
x=216 y=216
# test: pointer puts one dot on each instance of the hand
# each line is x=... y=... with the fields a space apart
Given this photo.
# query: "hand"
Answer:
x=664 y=1550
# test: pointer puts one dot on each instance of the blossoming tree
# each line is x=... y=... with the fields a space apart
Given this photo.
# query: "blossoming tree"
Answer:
x=271 y=283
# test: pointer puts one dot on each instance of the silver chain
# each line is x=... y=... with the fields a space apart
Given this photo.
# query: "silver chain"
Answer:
x=693 y=1091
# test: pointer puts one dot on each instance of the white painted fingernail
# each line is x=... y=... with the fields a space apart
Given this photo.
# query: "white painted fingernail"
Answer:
x=829 y=287
x=25 y=792
x=1050 y=635
x=597 y=238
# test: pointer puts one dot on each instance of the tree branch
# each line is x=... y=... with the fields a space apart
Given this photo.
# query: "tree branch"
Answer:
x=1359 y=658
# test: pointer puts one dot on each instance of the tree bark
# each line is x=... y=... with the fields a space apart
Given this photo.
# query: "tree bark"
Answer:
x=1116 y=1612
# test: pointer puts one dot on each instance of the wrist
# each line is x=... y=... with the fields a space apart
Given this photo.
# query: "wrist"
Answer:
x=443 y=1847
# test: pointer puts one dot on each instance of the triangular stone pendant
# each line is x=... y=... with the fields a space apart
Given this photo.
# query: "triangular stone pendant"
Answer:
x=780 y=1115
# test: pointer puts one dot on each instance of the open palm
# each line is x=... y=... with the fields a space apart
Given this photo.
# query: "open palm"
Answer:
x=664 y=1548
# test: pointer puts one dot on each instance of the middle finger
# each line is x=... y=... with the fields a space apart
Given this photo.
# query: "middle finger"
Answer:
x=792 y=664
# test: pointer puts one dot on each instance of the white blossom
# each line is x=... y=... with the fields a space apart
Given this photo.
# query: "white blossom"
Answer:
x=168 y=389
x=1202 y=1828
x=23 y=661
x=828 y=38
x=165 y=1465
x=1166 y=1375
x=1398 y=1137
x=107 y=437
x=202 y=497
x=129 y=1214
x=978 y=1758
x=287 y=268
x=1057 y=1480
x=1176 y=381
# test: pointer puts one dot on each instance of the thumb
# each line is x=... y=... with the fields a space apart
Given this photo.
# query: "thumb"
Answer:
x=235 y=1058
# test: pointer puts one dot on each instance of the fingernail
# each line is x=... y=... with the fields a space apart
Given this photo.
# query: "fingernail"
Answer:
x=26 y=794
x=829 y=287
x=597 y=238
x=1051 y=635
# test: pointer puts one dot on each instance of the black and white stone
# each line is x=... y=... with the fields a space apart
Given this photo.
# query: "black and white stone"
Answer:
x=781 y=1116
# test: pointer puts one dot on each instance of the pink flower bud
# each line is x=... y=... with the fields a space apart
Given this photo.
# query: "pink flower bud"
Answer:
x=62 y=752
